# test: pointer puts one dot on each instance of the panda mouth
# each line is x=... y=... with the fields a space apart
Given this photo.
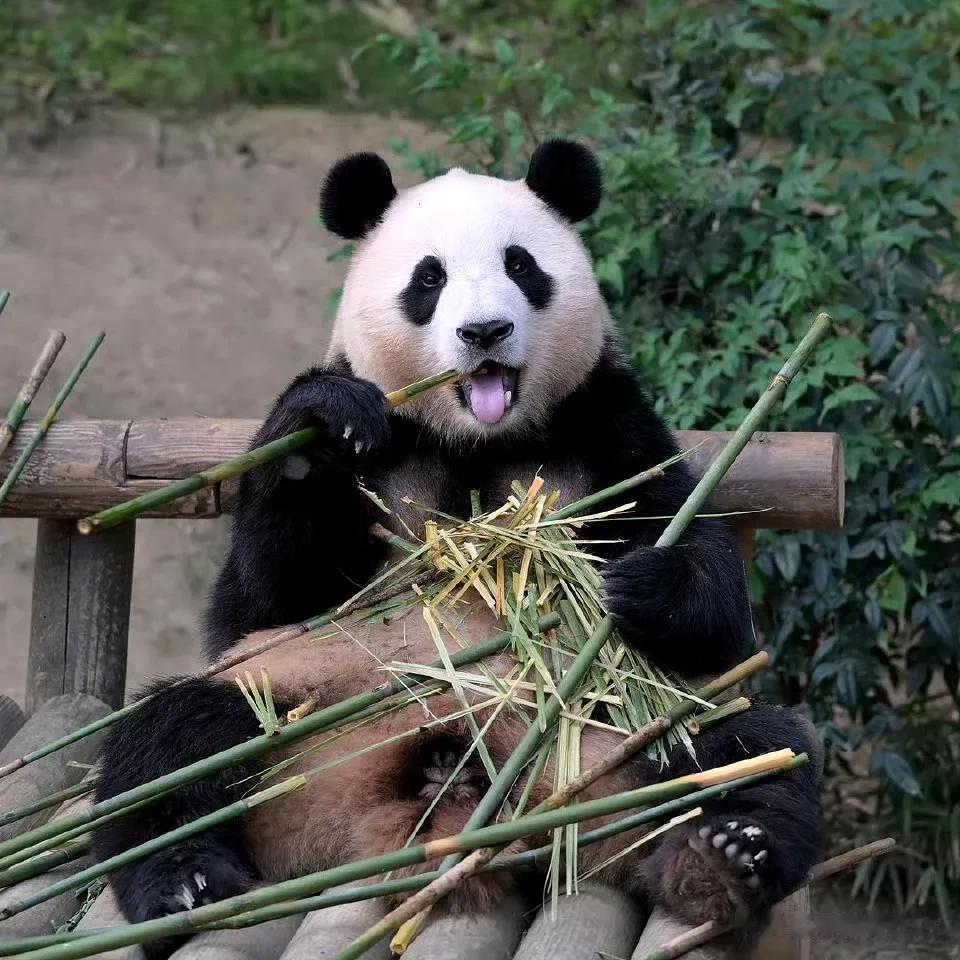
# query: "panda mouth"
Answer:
x=490 y=391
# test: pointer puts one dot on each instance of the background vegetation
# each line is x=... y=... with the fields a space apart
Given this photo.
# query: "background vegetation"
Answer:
x=764 y=160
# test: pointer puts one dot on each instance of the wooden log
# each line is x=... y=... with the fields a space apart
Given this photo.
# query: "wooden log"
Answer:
x=661 y=928
x=45 y=917
x=51 y=774
x=597 y=920
x=103 y=915
x=12 y=718
x=494 y=933
x=325 y=933
x=784 y=480
x=266 y=941
x=81 y=613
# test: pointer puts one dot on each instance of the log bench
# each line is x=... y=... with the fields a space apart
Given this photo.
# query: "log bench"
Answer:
x=80 y=619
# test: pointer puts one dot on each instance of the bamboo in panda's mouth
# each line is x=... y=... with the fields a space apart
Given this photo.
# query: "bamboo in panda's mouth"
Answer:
x=490 y=391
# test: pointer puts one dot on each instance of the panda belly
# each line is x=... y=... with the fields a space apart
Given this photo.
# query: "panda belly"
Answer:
x=375 y=802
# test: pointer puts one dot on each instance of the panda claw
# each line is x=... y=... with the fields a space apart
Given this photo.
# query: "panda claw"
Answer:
x=731 y=850
x=357 y=447
x=347 y=430
x=719 y=840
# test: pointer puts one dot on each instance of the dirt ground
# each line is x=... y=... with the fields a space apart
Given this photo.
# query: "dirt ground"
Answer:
x=197 y=250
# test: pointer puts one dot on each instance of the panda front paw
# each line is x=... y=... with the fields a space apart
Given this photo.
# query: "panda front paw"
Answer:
x=641 y=592
x=352 y=414
x=719 y=871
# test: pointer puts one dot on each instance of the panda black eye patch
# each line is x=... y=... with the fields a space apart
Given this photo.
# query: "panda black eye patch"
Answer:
x=419 y=297
x=523 y=269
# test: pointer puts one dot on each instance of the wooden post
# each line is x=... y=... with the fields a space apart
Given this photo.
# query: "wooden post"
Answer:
x=80 y=614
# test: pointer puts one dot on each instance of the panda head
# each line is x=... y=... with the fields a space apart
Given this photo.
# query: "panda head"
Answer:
x=475 y=273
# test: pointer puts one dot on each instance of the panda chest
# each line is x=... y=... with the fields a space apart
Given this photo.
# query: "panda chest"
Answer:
x=435 y=483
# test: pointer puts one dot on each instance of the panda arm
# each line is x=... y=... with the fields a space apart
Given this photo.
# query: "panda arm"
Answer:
x=686 y=606
x=301 y=538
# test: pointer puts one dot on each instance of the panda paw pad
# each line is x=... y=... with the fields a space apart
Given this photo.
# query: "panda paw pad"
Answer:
x=439 y=766
x=718 y=871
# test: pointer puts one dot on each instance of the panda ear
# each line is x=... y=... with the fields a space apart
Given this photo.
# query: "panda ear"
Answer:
x=355 y=195
x=566 y=176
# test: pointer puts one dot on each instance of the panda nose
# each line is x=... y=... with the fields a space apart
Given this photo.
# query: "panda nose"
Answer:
x=486 y=333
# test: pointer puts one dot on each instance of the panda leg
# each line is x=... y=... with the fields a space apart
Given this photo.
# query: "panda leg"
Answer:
x=179 y=726
x=751 y=847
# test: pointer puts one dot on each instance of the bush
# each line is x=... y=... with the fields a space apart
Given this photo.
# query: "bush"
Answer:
x=764 y=161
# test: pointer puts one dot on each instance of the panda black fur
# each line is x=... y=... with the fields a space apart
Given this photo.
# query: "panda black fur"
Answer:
x=487 y=276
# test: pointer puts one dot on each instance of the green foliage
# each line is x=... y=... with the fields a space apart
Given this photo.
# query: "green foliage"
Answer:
x=923 y=813
x=186 y=54
x=764 y=161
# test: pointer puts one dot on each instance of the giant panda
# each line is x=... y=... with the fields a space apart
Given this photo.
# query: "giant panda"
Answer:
x=487 y=276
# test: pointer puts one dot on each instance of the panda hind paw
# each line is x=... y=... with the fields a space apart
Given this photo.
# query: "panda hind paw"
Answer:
x=174 y=883
x=718 y=871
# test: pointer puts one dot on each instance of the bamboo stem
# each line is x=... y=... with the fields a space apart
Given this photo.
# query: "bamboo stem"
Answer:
x=768 y=400
x=4 y=297
x=500 y=833
x=587 y=503
x=45 y=862
x=215 y=819
x=31 y=385
x=709 y=718
x=49 y=417
x=44 y=803
x=700 y=936
x=248 y=750
x=572 y=679
x=239 y=465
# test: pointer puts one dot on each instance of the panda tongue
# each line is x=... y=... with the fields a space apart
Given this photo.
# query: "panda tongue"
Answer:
x=487 y=397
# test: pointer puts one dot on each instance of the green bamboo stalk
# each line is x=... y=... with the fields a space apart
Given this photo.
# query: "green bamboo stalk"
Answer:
x=250 y=749
x=239 y=465
x=223 y=815
x=220 y=666
x=761 y=409
x=49 y=417
x=44 y=803
x=351 y=894
x=45 y=862
x=189 y=921
x=572 y=679
x=73 y=831
x=31 y=385
x=709 y=718
x=587 y=503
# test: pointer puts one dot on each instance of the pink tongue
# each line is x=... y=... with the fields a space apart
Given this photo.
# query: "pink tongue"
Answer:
x=487 y=399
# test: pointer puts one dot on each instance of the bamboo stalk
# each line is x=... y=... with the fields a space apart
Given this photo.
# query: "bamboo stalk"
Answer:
x=31 y=385
x=219 y=666
x=768 y=400
x=49 y=417
x=587 y=503
x=239 y=465
x=44 y=803
x=705 y=933
x=250 y=749
x=671 y=534
x=223 y=815
x=709 y=718
x=499 y=833
x=351 y=894
x=4 y=297
x=44 y=862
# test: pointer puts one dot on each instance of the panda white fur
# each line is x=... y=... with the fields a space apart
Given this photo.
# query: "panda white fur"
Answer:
x=487 y=276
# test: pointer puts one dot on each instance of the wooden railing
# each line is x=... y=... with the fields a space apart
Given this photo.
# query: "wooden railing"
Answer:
x=81 y=596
